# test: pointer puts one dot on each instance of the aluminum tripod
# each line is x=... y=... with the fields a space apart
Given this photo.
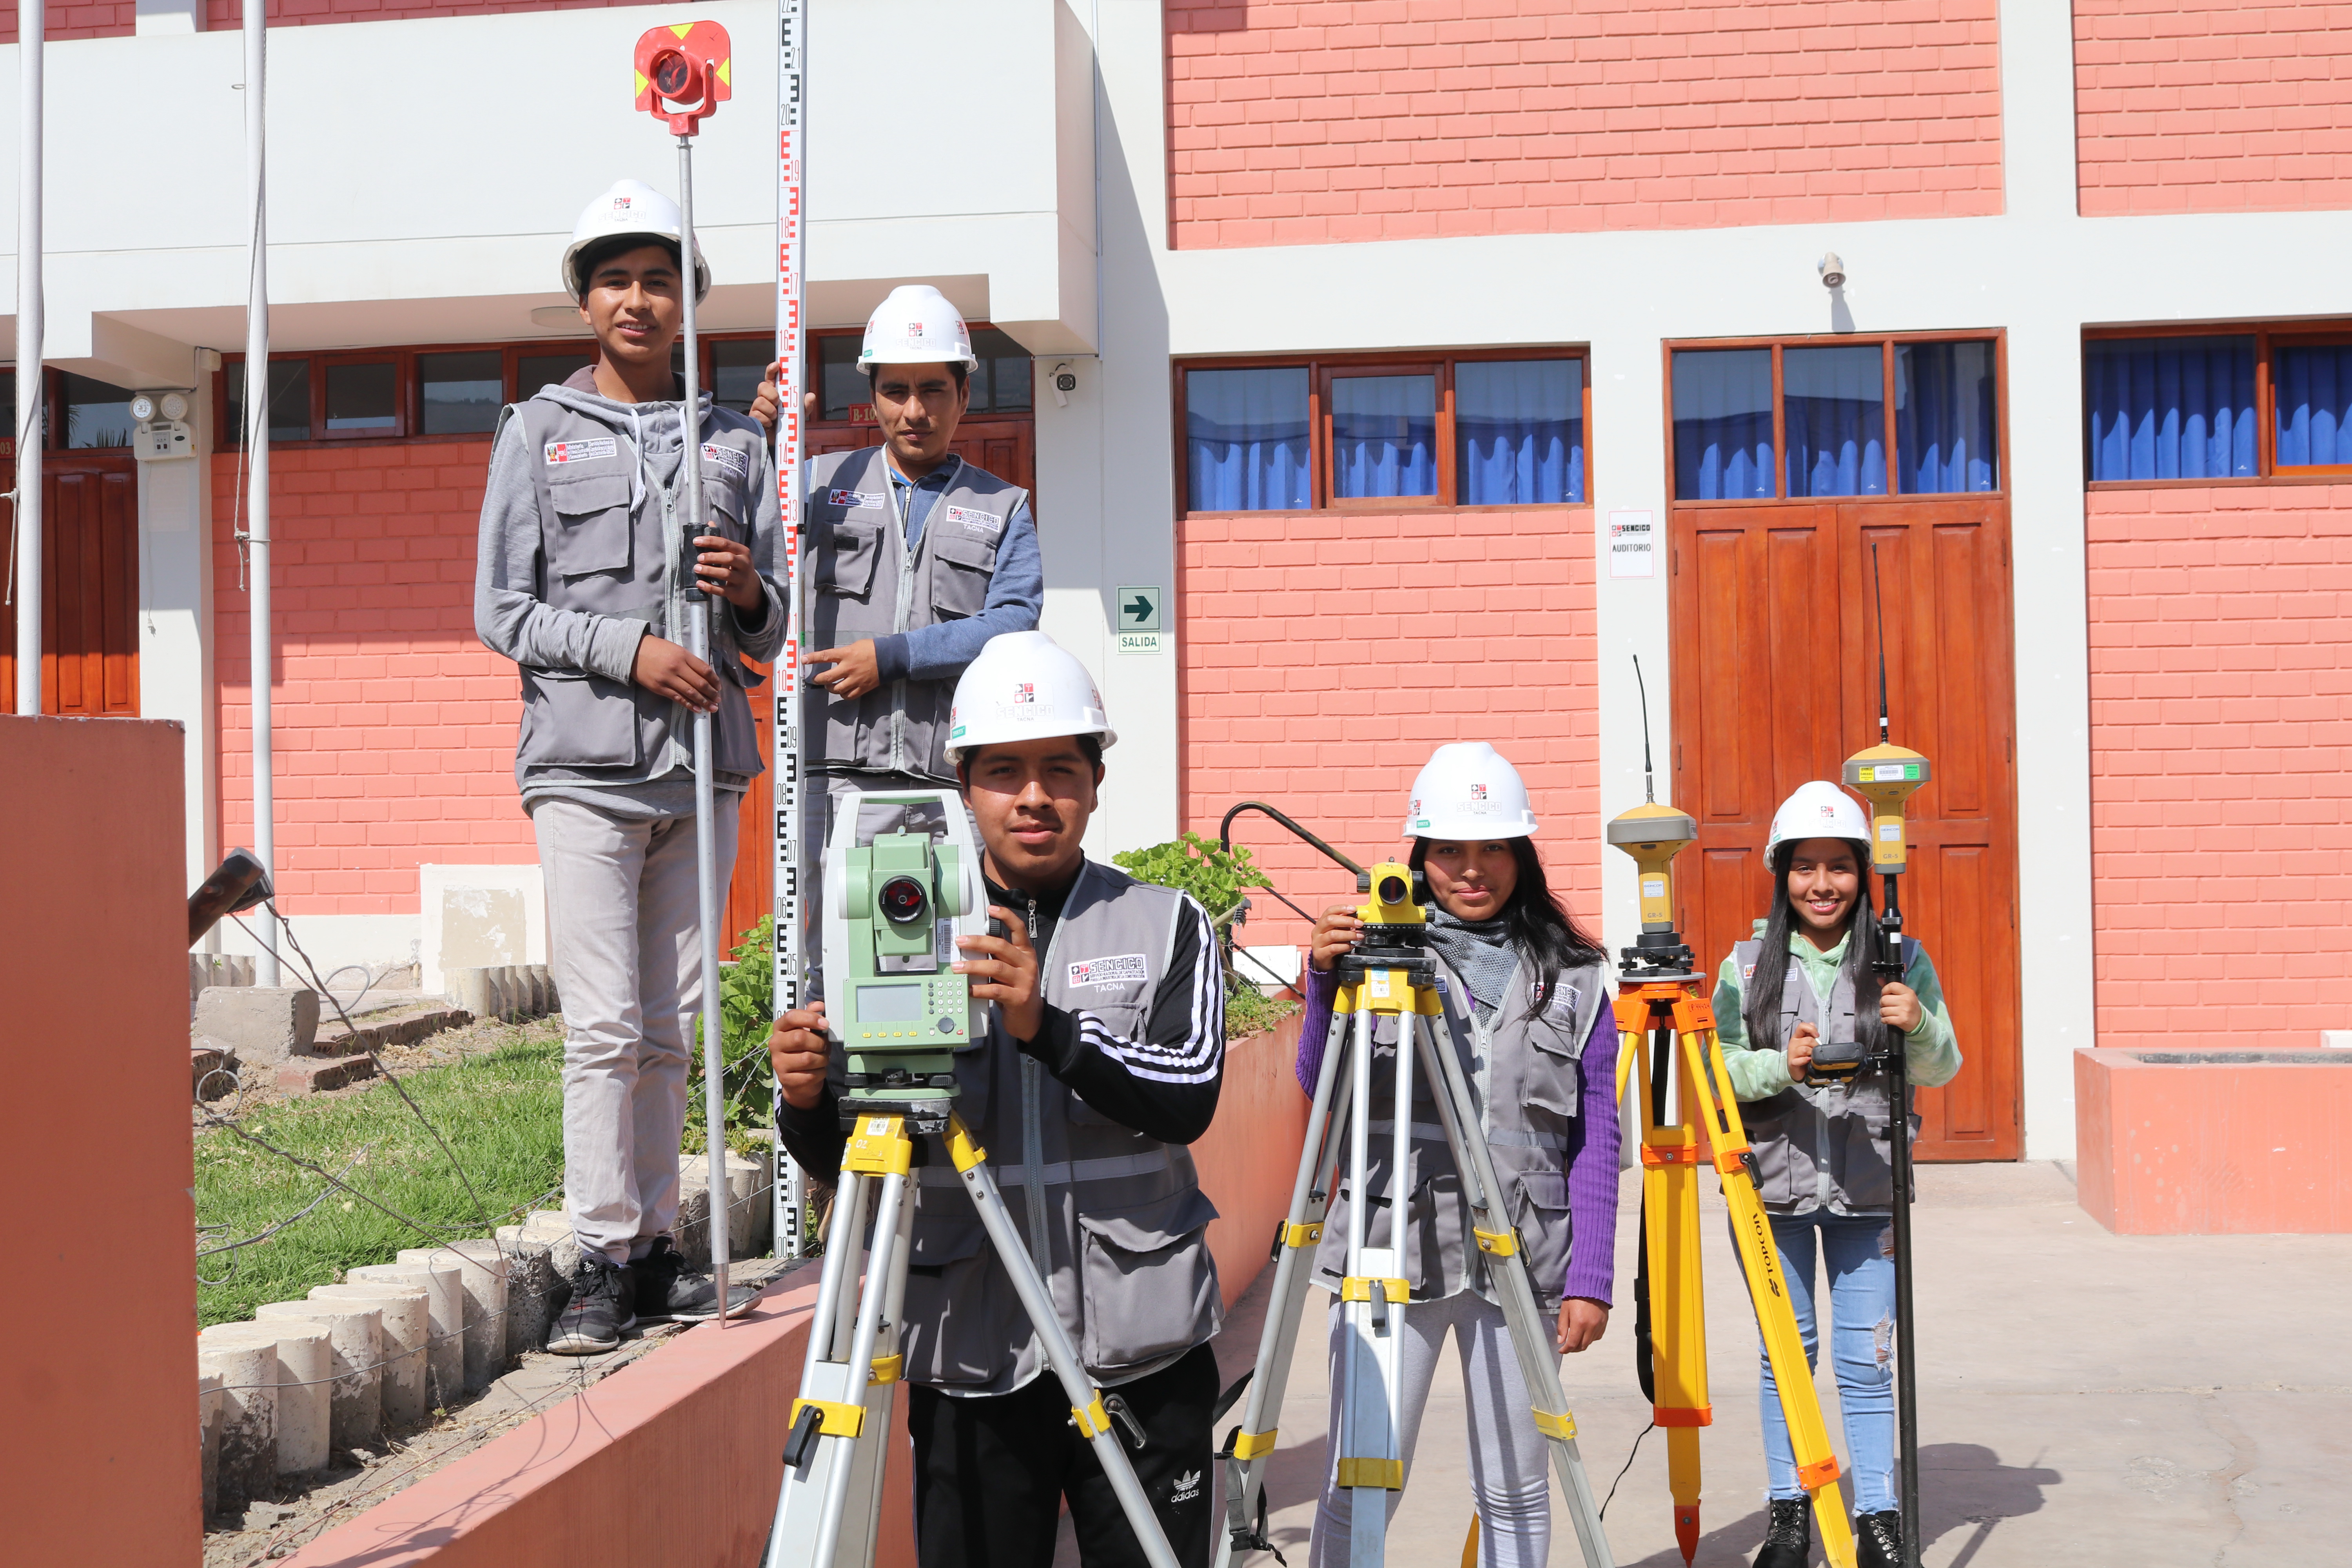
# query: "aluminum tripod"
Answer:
x=1662 y=1008
x=830 y=1507
x=1401 y=984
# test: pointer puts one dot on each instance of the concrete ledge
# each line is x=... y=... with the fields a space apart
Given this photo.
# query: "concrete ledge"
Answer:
x=2220 y=1142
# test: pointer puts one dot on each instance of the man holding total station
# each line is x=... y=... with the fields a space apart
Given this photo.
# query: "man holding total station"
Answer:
x=1103 y=1060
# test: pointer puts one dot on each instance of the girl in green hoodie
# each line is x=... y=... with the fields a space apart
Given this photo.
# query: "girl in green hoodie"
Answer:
x=1823 y=1149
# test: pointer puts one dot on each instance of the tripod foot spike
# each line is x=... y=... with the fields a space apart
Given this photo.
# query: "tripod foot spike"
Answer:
x=1687 y=1531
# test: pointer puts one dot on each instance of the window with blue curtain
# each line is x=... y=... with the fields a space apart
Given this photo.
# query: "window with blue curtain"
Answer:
x=1245 y=439
x=2170 y=408
x=1833 y=419
x=2312 y=389
x=1518 y=431
x=1383 y=437
x=1723 y=424
x=1944 y=428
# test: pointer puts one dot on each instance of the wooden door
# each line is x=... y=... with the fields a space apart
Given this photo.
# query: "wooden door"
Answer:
x=1776 y=646
x=90 y=589
x=1007 y=447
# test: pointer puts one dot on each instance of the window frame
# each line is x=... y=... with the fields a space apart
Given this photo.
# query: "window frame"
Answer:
x=1320 y=368
x=1888 y=341
x=2267 y=336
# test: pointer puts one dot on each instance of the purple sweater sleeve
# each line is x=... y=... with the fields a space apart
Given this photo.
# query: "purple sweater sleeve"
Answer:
x=1593 y=1169
x=1322 y=986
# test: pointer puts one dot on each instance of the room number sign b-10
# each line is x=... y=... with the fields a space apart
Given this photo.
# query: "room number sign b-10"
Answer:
x=1138 y=615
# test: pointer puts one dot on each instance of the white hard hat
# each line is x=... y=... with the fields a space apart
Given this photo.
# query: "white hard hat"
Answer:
x=1023 y=686
x=1818 y=809
x=916 y=325
x=631 y=207
x=1466 y=791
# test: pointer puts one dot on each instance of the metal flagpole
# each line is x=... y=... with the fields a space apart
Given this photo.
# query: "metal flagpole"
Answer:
x=258 y=388
x=28 y=585
x=789 y=1185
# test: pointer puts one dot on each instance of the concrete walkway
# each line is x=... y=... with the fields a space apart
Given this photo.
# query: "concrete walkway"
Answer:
x=2086 y=1399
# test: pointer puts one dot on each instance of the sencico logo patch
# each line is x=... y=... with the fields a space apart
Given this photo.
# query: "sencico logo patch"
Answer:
x=854 y=498
x=1122 y=970
x=727 y=457
x=581 y=451
x=975 y=521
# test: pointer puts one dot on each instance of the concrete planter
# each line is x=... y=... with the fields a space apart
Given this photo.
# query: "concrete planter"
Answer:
x=2214 y=1143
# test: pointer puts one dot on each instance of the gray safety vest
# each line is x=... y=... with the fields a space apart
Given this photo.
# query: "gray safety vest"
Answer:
x=1531 y=1094
x=867 y=585
x=1116 y=1222
x=1821 y=1144
x=606 y=551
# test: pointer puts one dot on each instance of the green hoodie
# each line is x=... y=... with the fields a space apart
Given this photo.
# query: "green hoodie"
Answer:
x=1931 y=1051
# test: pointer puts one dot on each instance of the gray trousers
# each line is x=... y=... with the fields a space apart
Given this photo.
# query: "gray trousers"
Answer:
x=622 y=926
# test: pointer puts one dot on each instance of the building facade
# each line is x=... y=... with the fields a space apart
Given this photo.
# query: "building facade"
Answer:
x=1427 y=362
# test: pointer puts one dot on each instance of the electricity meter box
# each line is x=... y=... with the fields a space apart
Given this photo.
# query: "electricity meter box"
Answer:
x=902 y=883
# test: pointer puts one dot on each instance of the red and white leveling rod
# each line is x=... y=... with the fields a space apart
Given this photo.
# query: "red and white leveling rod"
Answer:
x=789 y=1187
x=683 y=73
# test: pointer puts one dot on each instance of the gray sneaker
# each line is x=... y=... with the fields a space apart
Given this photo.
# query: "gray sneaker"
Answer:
x=603 y=1307
x=666 y=1293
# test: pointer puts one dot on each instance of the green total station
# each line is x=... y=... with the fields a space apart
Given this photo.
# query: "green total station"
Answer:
x=904 y=884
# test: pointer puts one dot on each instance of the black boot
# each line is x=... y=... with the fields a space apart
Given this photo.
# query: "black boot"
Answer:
x=602 y=1307
x=1879 y=1542
x=1790 y=1537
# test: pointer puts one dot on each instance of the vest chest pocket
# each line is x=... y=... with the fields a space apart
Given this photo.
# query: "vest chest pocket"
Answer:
x=1554 y=1081
x=1150 y=1284
x=960 y=570
x=846 y=556
x=591 y=532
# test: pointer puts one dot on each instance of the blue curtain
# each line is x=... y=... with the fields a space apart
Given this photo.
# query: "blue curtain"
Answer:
x=1383 y=435
x=1723 y=424
x=1944 y=428
x=1245 y=445
x=1833 y=418
x=1518 y=431
x=2170 y=408
x=2313 y=389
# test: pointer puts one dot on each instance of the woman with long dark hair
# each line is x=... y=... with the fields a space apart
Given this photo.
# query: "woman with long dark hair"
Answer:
x=1542 y=1065
x=1823 y=1150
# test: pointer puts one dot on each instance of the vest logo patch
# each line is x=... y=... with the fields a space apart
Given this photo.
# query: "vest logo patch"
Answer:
x=1118 y=971
x=855 y=498
x=581 y=451
x=727 y=457
x=975 y=521
x=1564 y=998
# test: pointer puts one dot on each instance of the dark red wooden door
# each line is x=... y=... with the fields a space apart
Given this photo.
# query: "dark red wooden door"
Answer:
x=90 y=589
x=1776 y=646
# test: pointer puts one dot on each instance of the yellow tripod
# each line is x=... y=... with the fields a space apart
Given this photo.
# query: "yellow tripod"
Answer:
x=1663 y=1001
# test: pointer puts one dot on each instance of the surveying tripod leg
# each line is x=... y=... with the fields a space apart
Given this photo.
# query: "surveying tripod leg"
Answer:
x=1506 y=1269
x=1085 y=1400
x=1373 y=1297
x=1760 y=1257
x=1249 y=1448
x=841 y=1421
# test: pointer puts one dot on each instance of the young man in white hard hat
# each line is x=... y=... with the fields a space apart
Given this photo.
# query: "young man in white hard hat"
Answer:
x=585 y=579
x=1103 y=1062
x=916 y=559
x=1824 y=1162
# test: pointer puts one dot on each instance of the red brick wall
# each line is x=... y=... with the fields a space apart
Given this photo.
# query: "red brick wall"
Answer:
x=1324 y=660
x=1321 y=120
x=119 y=18
x=2212 y=106
x=394 y=728
x=2220 y=729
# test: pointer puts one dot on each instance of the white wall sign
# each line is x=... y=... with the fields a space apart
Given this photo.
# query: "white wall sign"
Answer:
x=1632 y=544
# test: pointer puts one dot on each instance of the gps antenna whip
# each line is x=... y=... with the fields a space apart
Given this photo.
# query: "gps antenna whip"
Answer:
x=1649 y=775
x=684 y=73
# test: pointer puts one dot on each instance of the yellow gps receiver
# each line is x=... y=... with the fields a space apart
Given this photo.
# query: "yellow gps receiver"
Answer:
x=1886 y=775
x=1653 y=835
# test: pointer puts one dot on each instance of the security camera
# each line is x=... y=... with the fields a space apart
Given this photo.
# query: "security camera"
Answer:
x=1065 y=382
x=1832 y=271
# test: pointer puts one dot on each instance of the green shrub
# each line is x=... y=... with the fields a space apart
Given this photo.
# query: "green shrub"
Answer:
x=1191 y=864
x=747 y=994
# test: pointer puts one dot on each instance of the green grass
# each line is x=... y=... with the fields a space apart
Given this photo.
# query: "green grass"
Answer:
x=501 y=1114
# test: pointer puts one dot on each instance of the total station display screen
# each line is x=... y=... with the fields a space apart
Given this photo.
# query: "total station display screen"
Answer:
x=890 y=1004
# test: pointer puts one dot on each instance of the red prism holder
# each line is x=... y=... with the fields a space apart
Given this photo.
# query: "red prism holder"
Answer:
x=685 y=72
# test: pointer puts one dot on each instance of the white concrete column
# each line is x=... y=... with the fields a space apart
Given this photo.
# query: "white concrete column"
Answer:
x=443 y=1283
x=355 y=1329
x=243 y=1360
x=404 y=1327
x=176 y=622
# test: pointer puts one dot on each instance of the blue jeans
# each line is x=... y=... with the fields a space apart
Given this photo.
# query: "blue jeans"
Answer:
x=1861 y=1346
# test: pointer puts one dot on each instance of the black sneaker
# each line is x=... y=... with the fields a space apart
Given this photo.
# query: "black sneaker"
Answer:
x=602 y=1309
x=1880 y=1538
x=1789 y=1537
x=666 y=1293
